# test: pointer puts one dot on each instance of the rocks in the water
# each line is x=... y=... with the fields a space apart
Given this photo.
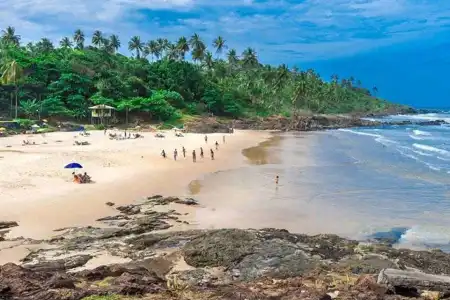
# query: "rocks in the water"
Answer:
x=8 y=224
x=110 y=203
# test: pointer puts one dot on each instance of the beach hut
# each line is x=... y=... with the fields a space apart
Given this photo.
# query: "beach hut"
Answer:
x=101 y=114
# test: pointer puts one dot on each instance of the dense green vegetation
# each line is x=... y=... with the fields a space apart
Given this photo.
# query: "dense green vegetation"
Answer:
x=43 y=80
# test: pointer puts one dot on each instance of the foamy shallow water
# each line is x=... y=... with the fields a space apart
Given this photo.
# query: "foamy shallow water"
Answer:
x=352 y=182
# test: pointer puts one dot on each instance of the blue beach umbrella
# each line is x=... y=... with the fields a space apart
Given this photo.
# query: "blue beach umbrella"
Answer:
x=73 y=166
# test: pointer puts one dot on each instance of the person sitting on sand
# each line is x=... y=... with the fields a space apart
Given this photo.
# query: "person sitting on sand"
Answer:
x=194 y=156
x=163 y=153
x=212 y=154
x=217 y=145
x=175 y=154
x=184 y=152
x=76 y=178
x=201 y=152
x=86 y=178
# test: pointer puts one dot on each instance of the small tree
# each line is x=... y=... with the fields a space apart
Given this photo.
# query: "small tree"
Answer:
x=29 y=108
x=127 y=106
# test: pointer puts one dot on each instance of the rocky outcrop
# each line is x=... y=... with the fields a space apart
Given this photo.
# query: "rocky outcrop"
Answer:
x=221 y=264
x=297 y=123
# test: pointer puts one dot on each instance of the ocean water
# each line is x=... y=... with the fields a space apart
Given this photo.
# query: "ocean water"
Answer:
x=352 y=182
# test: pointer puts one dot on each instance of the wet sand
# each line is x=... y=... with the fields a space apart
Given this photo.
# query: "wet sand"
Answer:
x=37 y=192
x=249 y=197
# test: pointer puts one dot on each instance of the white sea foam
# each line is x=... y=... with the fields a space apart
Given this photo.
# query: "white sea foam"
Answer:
x=361 y=133
x=431 y=149
x=425 y=236
x=420 y=132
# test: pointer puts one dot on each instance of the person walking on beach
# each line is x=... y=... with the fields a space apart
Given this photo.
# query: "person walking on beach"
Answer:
x=212 y=154
x=163 y=153
x=184 y=152
x=223 y=139
x=217 y=145
x=194 y=156
x=175 y=154
x=206 y=139
x=201 y=152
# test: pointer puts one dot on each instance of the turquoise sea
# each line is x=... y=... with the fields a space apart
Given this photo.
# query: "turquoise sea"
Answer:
x=352 y=182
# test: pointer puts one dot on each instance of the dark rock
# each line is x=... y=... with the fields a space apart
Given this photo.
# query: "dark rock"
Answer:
x=59 y=264
x=224 y=247
x=274 y=258
x=129 y=209
x=187 y=201
x=61 y=280
x=114 y=218
x=110 y=203
x=8 y=224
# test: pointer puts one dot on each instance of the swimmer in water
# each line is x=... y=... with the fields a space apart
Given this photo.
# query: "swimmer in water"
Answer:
x=277 y=178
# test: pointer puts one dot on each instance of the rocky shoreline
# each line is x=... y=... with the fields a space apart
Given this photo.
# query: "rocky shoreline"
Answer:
x=299 y=123
x=145 y=262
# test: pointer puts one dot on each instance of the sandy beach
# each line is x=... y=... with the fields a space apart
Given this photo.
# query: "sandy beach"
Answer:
x=38 y=193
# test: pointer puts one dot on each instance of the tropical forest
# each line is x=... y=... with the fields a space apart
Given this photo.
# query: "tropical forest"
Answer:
x=162 y=80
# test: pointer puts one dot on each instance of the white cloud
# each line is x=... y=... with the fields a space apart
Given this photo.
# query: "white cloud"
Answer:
x=308 y=30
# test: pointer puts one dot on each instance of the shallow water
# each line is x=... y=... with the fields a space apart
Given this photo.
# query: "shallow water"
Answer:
x=350 y=182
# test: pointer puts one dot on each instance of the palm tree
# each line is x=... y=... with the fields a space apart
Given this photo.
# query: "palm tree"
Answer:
x=65 y=43
x=219 y=44
x=172 y=52
x=197 y=46
x=375 y=91
x=208 y=60
x=78 y=38
x=9 y=36
x=97 y=38
x=114 y=42
x=12 y=73
x=45 y=45
x=153 y=49
x=135 y=44
x=232 y=57
x=249 y=57
x=183 y=46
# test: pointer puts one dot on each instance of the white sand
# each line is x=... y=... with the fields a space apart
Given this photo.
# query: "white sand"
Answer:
x=38 y=193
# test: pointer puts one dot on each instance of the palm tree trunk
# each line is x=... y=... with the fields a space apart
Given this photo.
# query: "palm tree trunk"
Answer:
x=17 y=106
x=11 y=96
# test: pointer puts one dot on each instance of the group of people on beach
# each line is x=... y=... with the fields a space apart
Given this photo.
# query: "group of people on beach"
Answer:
x=194 y=153
x=81 y=178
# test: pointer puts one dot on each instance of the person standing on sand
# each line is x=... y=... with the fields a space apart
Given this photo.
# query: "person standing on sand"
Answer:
x=194 y=156
x=163 y=153
x=212 y=154
x=201 y=152
x=175 y=154
x=104 y=131
x=223 y=139
x=206 y=139
x=217 y=145
x=184 y=152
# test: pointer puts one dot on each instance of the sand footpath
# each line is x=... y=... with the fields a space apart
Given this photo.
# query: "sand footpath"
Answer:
x=38 y=193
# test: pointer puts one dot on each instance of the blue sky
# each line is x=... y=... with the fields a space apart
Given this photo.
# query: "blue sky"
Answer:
x=400 y=46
